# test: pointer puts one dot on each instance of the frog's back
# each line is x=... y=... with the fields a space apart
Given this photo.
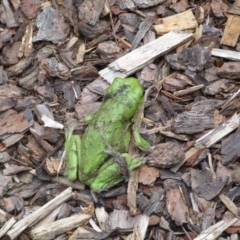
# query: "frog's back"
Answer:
x=120 y=104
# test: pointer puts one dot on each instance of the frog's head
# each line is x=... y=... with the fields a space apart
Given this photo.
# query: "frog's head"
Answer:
x=130 y=88
x=126 y=95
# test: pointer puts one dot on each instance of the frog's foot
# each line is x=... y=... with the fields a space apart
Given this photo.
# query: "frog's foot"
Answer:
x=72 y=147
x=107 y=178
x=139 y=140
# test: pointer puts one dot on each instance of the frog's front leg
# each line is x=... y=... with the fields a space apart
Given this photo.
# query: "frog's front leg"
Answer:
x=109 y=174
x=139 y=140
x=73 y=150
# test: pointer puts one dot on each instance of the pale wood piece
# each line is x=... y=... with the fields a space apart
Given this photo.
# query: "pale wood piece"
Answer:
x=188 y=154
x=184 y=46
x=94 y=226
x=182 y=21
x=230 y=99
x=144 y=55
x=188 y=90
x=81 y=52
x=64 y=181
x=39 y=213
x=140 y=230
x=49 y=218
x=231 y=31
x=26 y=47
x=77 y=232
x=7 y=226
x=132 y=191
x=101 y=216
x=143 y=28
x=50 y=231
x=230 y=205
x=235 y=9
x=228 y=54
x=215 y=230
x=219 y=132
x=176 y=136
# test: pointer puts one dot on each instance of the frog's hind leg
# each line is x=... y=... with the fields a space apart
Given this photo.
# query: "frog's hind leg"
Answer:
x=110 y=174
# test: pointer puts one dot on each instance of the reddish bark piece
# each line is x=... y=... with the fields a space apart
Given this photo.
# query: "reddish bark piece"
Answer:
x=51 y=26
x=16 y=124
x=219 y=8
x=193 y=58
x=11 y=53
x=30 y=7
x=147 y=3
x=91 y=32
x=6 y=183
x=7 y=15
x=235 y=174
x=90 y=11
x=230 y=70
x=175 y=204
x=148 y=75
x=55 y=68
x=165 y=155
x=147 y=175
x=197 y=157
x=176 y=82
x=230 y=148
x=222 y=171
x=12 y=203
x=180 y=6
x=210 y=189
x=13 y=169
x=109 y=51
x=234 y=228
x=7 y=104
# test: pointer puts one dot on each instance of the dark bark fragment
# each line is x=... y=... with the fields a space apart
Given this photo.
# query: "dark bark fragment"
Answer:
x=165 y=155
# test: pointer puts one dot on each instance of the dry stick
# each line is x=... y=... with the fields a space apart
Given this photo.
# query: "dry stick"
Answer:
x=231 y=55
x=230 y=205
x=143 y=28
x=132 y=191
x=6 y=227
x=39 y=214
x=141 y=227
x=111 y=20
x=219 y=132
x=214 y=231
x=51 y=230
x=140 y=57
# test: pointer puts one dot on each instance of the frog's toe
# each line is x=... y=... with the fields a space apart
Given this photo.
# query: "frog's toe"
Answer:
x=98 y=186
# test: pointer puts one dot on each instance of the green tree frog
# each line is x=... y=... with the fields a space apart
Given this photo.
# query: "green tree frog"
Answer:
x=89 y=158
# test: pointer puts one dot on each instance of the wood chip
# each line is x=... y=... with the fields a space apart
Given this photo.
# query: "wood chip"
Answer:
x=127 y=65
x=181 y=21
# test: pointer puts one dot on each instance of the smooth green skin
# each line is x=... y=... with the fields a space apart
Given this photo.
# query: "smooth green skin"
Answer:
x=111 y=124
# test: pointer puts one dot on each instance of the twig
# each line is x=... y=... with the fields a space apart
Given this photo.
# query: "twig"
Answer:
x=7 y=226
x=50 y=231
x=39 y=213
x=111 y=20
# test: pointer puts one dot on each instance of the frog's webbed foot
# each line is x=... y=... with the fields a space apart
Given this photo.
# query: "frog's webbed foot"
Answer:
x=72 y=147
x=139 y=140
